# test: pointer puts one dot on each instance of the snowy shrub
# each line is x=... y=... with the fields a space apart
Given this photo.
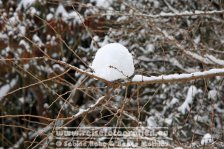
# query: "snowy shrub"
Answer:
x=169 y=72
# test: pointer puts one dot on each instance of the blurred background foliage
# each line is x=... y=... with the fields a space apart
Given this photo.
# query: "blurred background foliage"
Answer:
x=72 y=31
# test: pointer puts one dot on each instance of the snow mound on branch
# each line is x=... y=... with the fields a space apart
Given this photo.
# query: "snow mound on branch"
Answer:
x=112 y=62
x=207 y=139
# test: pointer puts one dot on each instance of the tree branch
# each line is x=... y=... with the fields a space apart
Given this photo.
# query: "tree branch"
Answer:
x=85 y=111
x=142 y=80
x=168 y=14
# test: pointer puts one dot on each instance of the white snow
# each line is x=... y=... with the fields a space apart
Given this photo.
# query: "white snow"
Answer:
x=49 y=16
x=81 y=110
x=141 y=78
x=25 y=4
x=178 y=148
x=22 y=30
x=102 y=3
x=37 y=40
x=202 y=119
x=207 y=139
x=150 y=48
x=151 y=122
x=184 y=13
x=215 y=59
x=197 y=39
x=33 y=11
x=192 y=91
x=57 y=66
x=198 y=57
x=77 y=19
x=168 y=121
x=3 y=36
x=14 y=19
x=173 y=101
x=6 y=88
x=113 y=62
x=60 y=11
x=22 y=99
x=25 y=44
x=212 y=94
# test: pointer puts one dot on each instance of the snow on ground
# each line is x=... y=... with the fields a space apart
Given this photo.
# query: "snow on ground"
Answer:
x=113 y=62
x=207 y=139
x=192 y=91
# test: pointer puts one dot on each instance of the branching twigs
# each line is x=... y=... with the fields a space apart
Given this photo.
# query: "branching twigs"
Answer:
x=196 y=56
x=62 y=40
x=37 y=83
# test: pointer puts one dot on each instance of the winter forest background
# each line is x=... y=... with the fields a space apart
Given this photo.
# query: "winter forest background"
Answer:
x=43 y=42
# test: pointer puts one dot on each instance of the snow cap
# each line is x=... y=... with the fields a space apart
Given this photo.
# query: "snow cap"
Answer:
x=112 y=62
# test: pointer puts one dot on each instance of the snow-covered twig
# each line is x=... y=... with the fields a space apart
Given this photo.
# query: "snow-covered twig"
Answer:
x=140 y=80
x=38 y=133
x=186 y=13
x=18 y=143
x=84 y=111
x=37 y=83
x=185 y=107
x=7 y=87
x=41 y=131
x=215 y=60
x=132 y=117
x=170 y=7
x=168 y=14
x=196 y=56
